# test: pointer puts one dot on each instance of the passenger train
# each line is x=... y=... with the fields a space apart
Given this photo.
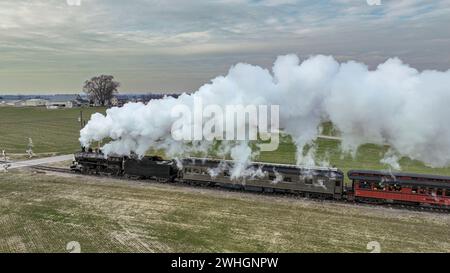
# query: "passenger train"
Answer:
x=368 y=186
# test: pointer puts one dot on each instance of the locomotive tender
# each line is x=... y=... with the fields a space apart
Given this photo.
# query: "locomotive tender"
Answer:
x=376 y=187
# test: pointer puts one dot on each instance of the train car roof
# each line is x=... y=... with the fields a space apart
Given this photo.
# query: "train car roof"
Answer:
x=387 y=173
x=266 y=164
x=90 y=155
x=431 y=180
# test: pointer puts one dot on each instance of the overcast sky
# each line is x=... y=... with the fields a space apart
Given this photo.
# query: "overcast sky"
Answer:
x=177 y=45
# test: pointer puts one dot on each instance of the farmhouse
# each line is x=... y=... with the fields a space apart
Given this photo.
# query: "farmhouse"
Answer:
x=15 y=103
x=35 y=102
x=60 y=104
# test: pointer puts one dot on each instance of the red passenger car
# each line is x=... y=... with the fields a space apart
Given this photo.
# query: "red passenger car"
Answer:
x=401 y=188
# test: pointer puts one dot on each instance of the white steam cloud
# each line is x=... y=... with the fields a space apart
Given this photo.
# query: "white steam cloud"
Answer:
x=395 y=105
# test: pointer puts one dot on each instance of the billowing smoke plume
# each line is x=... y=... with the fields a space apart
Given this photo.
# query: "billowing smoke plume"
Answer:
x=395 y=105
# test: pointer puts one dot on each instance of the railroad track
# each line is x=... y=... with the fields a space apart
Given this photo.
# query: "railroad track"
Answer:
x=288 y=195
x=51 y=169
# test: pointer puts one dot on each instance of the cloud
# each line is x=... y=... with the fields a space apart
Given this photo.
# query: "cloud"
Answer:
x=73 y=2
x=100 y=34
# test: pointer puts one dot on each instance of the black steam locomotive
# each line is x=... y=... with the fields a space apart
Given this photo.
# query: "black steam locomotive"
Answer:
x=367 y=186
x=149 y=167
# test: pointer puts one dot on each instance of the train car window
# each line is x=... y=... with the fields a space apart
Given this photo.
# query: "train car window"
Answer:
x=415 y=190
x=272 y=177
x=397 y=188
x=379 y=187
x=364 y=185
x=320 y=182
x=439 y=192
x=422 y=190
x=338 y=183
x=430 y=190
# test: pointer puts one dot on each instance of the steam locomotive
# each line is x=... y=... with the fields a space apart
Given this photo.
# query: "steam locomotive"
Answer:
x=368 y=186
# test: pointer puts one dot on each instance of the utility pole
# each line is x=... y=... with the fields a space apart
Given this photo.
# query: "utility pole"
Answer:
x=80 y=119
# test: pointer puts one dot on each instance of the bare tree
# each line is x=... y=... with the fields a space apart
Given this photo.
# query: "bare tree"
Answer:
x=101 y=89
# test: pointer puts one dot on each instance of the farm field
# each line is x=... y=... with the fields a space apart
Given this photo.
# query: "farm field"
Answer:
x=42 y=213
x=52 y=131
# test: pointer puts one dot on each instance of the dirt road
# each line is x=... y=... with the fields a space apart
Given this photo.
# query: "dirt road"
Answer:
x=40 y=161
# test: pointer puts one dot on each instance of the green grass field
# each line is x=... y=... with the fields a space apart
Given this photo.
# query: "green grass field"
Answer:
x=42 y=213
x=52 y=131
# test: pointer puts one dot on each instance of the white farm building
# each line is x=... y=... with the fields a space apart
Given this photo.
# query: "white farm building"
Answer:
x=59 y=104
x=36 y=102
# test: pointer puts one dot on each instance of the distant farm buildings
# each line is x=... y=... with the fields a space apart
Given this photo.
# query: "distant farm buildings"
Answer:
x=43 y=103
x=74 y=100
x=59 y=104
x=47 y=103
x=35 y=102
x=15 y=103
